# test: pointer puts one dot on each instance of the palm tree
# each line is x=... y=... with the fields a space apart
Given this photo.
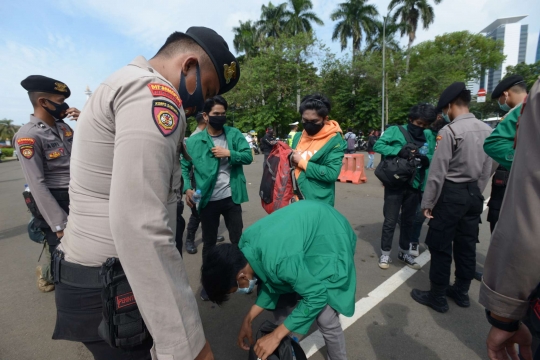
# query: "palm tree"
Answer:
x=411 y=12
x=7 y=129
x=300 y=18
x=356 y=21
x=375 y=42
x=246 y=38
x=272 y=19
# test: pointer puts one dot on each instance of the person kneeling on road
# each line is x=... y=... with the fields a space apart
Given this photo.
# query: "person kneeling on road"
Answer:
x=313 y=260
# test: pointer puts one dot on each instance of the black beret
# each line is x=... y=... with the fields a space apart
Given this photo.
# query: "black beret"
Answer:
x=224 y=61
x=506 y=84
x=40 y=83
x=450 y=94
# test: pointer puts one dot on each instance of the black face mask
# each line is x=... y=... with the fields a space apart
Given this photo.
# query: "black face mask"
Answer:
x=417 y=133
x=58 y=110
x=271 y=133
x=311 y=127
x=217 y=122
x=192 y=103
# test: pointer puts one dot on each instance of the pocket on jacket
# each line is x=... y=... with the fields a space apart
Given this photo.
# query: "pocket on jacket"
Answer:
x=323 y=267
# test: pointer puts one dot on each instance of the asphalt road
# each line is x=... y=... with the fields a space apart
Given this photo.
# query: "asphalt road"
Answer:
x=397 y=328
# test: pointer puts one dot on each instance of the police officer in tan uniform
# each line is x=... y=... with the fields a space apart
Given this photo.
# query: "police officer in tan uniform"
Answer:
x=44 y=147
x=125 y=179
x=453 y=200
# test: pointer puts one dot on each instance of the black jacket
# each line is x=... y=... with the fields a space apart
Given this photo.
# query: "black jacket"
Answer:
x=266 y=146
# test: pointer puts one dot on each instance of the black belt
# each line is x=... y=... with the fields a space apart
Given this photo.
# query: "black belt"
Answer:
x=74 y=274
x=464 y=185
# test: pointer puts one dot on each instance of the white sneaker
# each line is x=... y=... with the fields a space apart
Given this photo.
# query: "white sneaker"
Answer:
x=414 y=249
x=384 y=261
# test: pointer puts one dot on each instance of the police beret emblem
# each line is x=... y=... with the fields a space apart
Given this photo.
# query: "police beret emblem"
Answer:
x=58 y=86
x=229 y=72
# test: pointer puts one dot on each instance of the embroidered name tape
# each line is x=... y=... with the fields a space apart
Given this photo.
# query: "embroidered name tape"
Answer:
x=166 y=116
x=165 y=91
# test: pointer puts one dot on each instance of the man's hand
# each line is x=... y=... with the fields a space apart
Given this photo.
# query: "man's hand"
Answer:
x=206 y=353
x=266 y=345
x=189 y=198
x=60 y=234
x=73 y=113
x=296 y=157
x=220 y=152
x=427 y=213
x=501 y=344
x=245 y=333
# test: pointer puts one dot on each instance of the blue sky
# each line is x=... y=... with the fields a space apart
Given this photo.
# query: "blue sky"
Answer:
x=81 y=42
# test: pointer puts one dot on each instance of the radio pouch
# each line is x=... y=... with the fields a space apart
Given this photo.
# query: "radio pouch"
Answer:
x=122 y=325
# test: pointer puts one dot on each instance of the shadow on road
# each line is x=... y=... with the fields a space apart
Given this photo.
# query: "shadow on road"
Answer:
x=12 y=232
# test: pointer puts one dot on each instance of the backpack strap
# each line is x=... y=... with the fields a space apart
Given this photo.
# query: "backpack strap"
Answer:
x=298 y=351
x=406 y=134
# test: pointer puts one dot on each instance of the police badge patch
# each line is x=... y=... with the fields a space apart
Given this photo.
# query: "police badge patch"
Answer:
x=166 y=116
x=26 y=147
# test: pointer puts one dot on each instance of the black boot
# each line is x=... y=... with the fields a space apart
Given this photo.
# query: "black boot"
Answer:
x=220 y=239
x=190 y=243
x=435 y=298
x=460 y=292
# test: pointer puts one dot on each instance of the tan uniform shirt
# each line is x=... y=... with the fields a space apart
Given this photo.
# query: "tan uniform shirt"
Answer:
x=125 y=176
x=512 y=267
x=459 y=158
x=45 y=154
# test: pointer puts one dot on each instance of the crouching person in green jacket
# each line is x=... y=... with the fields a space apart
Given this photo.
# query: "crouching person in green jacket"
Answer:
x=218 y=154
x=313 y=259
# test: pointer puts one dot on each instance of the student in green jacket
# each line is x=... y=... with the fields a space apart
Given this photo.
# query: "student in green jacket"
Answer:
x=312 y=257
x=406 y=199
x=509 y=94
x=218 y=154
x=318 y=150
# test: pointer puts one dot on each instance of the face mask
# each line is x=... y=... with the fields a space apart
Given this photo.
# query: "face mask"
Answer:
x=58 y=110
x=445 y=116
x=415 y=131
x=271 y=133
x=249 y=289
x=192 y=103
x=217 y=122
x=505 y=106
x=312 y=128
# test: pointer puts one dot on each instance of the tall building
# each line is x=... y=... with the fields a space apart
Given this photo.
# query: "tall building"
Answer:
x=514 y=36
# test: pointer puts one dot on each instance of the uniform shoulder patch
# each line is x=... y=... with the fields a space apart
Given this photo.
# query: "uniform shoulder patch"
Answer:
x=26 y=147
x=439 y=137
x=162 y=90
x=166 y=116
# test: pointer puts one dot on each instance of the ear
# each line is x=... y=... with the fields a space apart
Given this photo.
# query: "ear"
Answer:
x=326 y=119
x=205 y=116
x=189 y=63
x=42 y=101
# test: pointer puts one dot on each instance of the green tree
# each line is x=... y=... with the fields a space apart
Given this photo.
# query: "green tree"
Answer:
x=375 y=42
x=356 y=21
x=530 y=72
x=246 y=39
x=7 y=129
x=272 y=20
x=411 y=12
x=300 y=17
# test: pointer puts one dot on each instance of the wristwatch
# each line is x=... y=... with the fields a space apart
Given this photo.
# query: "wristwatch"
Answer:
x=505 y=326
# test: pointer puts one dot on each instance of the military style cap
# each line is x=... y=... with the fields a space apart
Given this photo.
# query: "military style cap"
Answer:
x=294 y=123
x=450 y=94
x=224 y=61
x=506 y=84
x=40 y=83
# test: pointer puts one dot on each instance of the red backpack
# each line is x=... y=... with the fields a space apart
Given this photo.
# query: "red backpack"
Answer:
x=278 y=184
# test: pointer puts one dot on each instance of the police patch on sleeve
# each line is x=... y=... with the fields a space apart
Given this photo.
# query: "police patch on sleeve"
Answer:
x=166 y=116
x=165 y=91
x=438 y=138
x=26 y=147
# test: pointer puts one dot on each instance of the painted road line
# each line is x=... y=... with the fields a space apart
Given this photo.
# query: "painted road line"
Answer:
x=314 y=342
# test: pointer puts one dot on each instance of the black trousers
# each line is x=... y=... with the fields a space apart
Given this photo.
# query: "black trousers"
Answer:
x=194 y=221
x=454 y=230
x=210 y=214
x=495 y=204
x=180 y=225
x=406 y=200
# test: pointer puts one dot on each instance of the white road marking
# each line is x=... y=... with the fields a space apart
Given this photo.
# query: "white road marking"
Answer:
x=314 y=342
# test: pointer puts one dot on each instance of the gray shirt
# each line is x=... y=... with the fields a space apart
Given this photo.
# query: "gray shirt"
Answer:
x=222 y=189
x=45 y=157
x=459 y=157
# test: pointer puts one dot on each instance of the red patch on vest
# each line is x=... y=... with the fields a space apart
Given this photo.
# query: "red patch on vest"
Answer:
x=124 y=300
x=166 y=116
x=165 y=91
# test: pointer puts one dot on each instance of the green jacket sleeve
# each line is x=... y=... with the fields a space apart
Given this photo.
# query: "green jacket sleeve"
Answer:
x=500 y=144
x=293 y=270
x=266 y=299
x=329 y=171
x=186 y=168
x=388 y=145
x=242 y=155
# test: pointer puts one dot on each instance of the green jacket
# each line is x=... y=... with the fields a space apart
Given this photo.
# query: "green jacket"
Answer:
x=500 y=144
x=391 y=143
x=318 y=182
x=206 y=166
x=313 y=256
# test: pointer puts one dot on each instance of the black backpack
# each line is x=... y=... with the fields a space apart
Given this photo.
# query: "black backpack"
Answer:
x=285 y=349
x=395 y=172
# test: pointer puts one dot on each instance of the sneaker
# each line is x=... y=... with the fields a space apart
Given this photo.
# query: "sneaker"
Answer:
x=220 y=239
x=409 y=260
x=42 y=284
x=384 y=261
x=204 y=295
x=414 y=249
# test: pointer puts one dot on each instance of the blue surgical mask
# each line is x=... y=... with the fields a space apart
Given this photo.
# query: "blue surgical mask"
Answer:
x=445 y=116
x=249 y=289
x=505 y=106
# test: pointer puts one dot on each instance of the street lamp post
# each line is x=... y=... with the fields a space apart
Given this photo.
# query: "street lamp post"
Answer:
x=383 y=70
